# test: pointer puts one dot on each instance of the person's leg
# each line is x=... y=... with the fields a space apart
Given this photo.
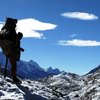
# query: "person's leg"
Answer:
x=13 y=65
x=14 y=69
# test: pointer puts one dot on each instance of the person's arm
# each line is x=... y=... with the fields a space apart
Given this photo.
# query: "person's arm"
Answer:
x=21 y=49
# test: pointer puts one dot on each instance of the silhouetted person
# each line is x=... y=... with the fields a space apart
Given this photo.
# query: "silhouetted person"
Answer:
x=11 y=45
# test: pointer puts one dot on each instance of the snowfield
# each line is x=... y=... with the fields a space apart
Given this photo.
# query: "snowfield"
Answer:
x=65 y=86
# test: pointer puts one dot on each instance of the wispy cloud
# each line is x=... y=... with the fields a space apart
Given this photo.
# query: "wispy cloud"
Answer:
x=31 y=27
x=79 y=15
x=73 y=35
x=78 y=42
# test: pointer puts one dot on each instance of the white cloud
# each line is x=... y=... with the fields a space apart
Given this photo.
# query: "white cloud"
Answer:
x=79 y=15
x=31 y=27
x=78 y=42
x=1 y=25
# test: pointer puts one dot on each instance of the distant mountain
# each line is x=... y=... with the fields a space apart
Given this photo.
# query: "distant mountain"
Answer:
x=29 y=69
x=55 y=71
x=26 y=69
x=95 y=70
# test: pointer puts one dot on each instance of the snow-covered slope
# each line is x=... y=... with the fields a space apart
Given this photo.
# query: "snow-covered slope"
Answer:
x=65 y=86
x=28 y=90
x=49 y=88
x=73 y=87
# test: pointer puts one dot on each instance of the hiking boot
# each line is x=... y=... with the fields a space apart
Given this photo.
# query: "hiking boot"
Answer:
x=16 y=80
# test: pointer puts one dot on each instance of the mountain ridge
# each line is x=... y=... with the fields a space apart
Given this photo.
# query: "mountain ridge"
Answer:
x=94 y=70
x=29 y=69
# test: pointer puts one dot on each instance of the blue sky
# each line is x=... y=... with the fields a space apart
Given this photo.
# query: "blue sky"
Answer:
x=57 y=33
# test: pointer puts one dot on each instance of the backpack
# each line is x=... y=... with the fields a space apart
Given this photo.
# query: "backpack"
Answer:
x=7 y=35
x=5 y=44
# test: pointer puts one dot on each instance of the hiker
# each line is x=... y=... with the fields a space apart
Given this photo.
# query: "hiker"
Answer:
x=9 y=45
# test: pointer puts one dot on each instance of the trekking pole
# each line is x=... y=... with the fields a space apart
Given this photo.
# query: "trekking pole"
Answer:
x=5 y=71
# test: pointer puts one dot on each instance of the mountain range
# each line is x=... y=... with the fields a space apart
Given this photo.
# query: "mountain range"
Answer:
x=50 y=84
x=30 y=69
